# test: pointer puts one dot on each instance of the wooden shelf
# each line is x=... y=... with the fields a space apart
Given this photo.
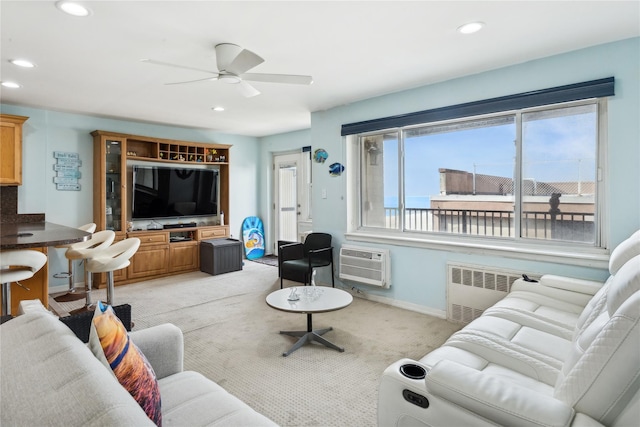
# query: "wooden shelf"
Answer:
x=176 y=151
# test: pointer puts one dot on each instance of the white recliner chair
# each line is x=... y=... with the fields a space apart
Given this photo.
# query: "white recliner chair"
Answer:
x=506 y=371
x=561 y=300
x=540 y=320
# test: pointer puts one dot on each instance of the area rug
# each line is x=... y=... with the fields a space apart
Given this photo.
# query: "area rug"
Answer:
x=271 y=260
x=232 y=336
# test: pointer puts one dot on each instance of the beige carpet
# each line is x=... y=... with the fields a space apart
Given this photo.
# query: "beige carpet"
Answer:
x=231 y=336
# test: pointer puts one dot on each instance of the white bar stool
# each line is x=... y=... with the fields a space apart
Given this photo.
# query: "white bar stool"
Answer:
x=99 y=242
x=113 y=258
x=71 y=294
x=17 y=265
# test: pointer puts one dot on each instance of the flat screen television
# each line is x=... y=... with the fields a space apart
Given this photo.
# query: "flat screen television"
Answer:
x=171 y=192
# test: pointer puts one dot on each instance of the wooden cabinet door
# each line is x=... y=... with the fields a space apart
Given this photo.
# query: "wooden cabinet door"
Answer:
x=11 y=149
x=184 y=256
x=150 y=260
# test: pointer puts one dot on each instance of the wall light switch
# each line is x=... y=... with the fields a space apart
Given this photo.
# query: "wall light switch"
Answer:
x=324 y=193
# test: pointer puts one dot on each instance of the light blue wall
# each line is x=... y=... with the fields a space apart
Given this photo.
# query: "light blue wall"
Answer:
x=419 y=275
x=49 y=131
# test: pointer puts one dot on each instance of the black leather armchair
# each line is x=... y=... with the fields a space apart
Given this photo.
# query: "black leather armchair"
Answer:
x=296 y=261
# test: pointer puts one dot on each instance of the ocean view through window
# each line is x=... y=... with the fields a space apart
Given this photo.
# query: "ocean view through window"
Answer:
x=527 y=174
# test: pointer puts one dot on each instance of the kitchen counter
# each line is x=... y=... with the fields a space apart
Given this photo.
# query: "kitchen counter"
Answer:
x=38 y=234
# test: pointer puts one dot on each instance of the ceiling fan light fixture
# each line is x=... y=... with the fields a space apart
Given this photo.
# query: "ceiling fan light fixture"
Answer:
x=23 y=63
x=471 y=27
x=218 y=108
x=74 y=9
x=229 y=78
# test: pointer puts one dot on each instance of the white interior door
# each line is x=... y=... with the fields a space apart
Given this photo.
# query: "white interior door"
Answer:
x=287 y=208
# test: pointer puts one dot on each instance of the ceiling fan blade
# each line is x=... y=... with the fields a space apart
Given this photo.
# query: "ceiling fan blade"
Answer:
x=234 y=59
x=278 y=78
x=194 y=81
x=167 y=64
x=247 y=90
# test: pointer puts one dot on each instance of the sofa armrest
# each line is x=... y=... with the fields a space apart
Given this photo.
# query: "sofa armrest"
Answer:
x=163 y=346
x=589 y=287
x=567 y=289
x=490 y=397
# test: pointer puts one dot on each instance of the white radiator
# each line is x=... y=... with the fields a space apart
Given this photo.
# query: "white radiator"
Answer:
x=365 y=265
x=471 y=289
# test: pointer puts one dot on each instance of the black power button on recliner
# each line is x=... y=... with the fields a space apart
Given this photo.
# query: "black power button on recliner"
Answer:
x=415 y=398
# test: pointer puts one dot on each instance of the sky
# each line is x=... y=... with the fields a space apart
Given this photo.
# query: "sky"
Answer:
x=556 y=147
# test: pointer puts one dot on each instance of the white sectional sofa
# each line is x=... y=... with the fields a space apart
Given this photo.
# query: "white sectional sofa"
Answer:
x=50 y=377
x=559 y=352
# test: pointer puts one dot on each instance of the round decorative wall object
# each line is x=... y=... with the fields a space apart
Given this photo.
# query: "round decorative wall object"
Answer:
x=320 y=155
x=336 y=169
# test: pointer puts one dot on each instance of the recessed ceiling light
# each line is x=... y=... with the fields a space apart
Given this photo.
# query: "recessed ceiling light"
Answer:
x=218 y=108
x=470 y=28
x=23 y=63
x=12 y=85
x=75 y=9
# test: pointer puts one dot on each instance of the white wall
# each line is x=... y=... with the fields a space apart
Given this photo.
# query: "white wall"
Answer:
x=49 y=131
x=419 y=275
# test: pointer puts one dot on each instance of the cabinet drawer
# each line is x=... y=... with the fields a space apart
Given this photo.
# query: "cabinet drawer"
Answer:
x=146 y=239
x=213 y=233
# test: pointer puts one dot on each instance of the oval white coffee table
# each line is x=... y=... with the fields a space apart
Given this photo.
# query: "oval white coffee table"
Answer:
x=312 y=299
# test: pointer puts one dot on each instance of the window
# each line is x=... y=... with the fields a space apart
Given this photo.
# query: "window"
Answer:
x=526 y=174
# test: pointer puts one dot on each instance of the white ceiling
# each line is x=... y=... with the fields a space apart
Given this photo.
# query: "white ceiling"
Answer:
x=353 y=50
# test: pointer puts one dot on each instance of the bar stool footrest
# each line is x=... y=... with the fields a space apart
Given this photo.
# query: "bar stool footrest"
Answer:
x=70 y=296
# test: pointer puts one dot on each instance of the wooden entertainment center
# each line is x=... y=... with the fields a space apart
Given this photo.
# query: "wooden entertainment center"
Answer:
x=162 y=251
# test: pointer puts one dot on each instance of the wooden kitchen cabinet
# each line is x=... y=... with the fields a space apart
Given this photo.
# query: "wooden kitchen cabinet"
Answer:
x=11 y=149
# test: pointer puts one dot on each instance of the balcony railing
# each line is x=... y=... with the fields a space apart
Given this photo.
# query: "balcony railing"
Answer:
x=577 y=227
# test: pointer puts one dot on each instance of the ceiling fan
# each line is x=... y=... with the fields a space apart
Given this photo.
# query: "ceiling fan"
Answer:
x=233 y=62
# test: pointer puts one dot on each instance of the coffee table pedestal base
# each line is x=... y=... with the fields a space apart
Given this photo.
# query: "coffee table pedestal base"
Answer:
x=306 y=337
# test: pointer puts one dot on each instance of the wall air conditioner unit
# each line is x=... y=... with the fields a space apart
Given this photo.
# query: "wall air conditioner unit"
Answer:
x=365 y=265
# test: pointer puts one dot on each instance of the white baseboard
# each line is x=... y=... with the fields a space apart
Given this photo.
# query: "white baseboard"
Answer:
x=441 y=314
